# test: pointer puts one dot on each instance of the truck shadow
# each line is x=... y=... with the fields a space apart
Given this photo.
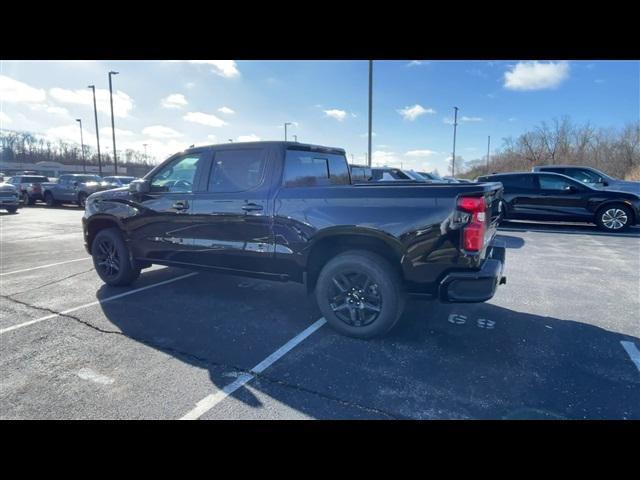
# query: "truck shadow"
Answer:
x=442 y=361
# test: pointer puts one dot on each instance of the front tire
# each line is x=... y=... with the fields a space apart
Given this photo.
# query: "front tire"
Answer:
x=26 y=199
x=616 y=218
x=360 y=294
x=111 y=258
x=82 y=199
x=12 y=210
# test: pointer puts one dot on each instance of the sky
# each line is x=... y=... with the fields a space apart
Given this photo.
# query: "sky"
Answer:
x=170 y=105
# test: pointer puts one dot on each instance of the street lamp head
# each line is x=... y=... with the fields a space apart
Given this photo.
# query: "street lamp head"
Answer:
x=91 y=86
x=113 y=73
x=78 y=120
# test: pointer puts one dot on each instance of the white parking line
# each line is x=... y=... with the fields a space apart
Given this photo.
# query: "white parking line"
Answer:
x=633 y=352
x=104 y=300
x=44 y=266
x=210 y=401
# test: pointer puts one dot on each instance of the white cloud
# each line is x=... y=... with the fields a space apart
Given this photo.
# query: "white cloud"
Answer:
x=4 y=119
x=106 y=131
x=122 y=103
x=204 y=119
x=212 y=138
x=471 y=119
x=420 y=153
x=224 y=68
x=14 y=91
x=339 y=115
x=67 y=132
x=226 y=110
x=416 y=63
x=43 y=107
x=160 y=131
x=411 y=113
x=536 y=75
x=190 y=84
x=249 y=138
x=175 y=100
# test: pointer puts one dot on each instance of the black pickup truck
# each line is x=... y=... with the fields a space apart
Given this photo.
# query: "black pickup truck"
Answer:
x=288 y=212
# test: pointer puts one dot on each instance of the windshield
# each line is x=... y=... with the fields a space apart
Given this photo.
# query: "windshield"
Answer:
x=416 y=176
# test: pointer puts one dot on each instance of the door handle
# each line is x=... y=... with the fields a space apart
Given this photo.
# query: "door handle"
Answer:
x=251 y=207
x=180 y=205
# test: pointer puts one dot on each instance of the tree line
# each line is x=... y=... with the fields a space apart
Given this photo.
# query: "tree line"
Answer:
x=26 y=147
x=614 y=151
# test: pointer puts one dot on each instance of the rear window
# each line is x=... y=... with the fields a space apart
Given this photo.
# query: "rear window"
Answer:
x=313 y=169
x=237 y=170
x=33 y=179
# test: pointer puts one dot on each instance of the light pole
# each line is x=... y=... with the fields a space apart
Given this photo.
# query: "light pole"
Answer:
x=84 y=161
x=285 y=130
x=295 y=138
x=95 y=113
x=455 y=126
x=488 y=146
x=145 y=151
x=370 y=108
x=113 y=130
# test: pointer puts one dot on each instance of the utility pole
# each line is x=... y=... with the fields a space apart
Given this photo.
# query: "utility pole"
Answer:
x=285 y=130
x=295 y=138
x=488 y=146
x=370 y=109
x=145 y=151
x=95 y=113
x=113 y=130
x=455 y=126
x=84 y=160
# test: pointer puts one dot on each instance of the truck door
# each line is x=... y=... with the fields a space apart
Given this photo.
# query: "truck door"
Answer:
x=233 y=217
x=164 y=229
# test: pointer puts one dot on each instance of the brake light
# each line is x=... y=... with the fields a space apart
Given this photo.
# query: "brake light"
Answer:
x=473 y=232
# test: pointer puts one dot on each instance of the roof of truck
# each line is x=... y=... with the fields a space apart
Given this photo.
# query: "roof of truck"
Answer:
x=266 y=143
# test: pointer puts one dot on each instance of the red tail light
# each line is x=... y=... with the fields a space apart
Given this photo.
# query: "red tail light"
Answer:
x=473 y=232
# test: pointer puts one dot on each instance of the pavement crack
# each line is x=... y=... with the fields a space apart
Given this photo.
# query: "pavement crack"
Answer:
x=53 y=282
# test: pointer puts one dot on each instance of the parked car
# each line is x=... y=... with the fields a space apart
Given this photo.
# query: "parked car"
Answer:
x=29 y=187
x=9 y=198
x=555 y=197
x=288 y=211
x=360 y=173
x=72 y=188
x=388 y=174
x=118 y=181
x=592 y=177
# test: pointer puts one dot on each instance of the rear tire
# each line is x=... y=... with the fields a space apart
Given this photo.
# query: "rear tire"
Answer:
x=614 y=218
x=360 y=294
x=12 y=210
x=111 y=258
x=49 y=200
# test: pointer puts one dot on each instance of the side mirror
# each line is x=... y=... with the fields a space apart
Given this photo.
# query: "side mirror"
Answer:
x=570 y=189
x=75 y=184
x=606 y=184
x=140 y=186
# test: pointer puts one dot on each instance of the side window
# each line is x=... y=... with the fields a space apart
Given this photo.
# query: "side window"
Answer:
x=551 y=182
x=177 y=176
x=237 y=170
x=311 y=169
x=516 y=182
x=585 y=176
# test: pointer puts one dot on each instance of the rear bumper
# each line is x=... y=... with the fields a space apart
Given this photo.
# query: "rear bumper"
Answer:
x=476 y=286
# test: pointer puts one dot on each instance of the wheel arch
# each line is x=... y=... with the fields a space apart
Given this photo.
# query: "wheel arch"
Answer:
x=337 y=240
x=98 y=223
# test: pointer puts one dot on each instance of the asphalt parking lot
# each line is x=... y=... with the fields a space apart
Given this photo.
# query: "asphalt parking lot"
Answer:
x=560 y=340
